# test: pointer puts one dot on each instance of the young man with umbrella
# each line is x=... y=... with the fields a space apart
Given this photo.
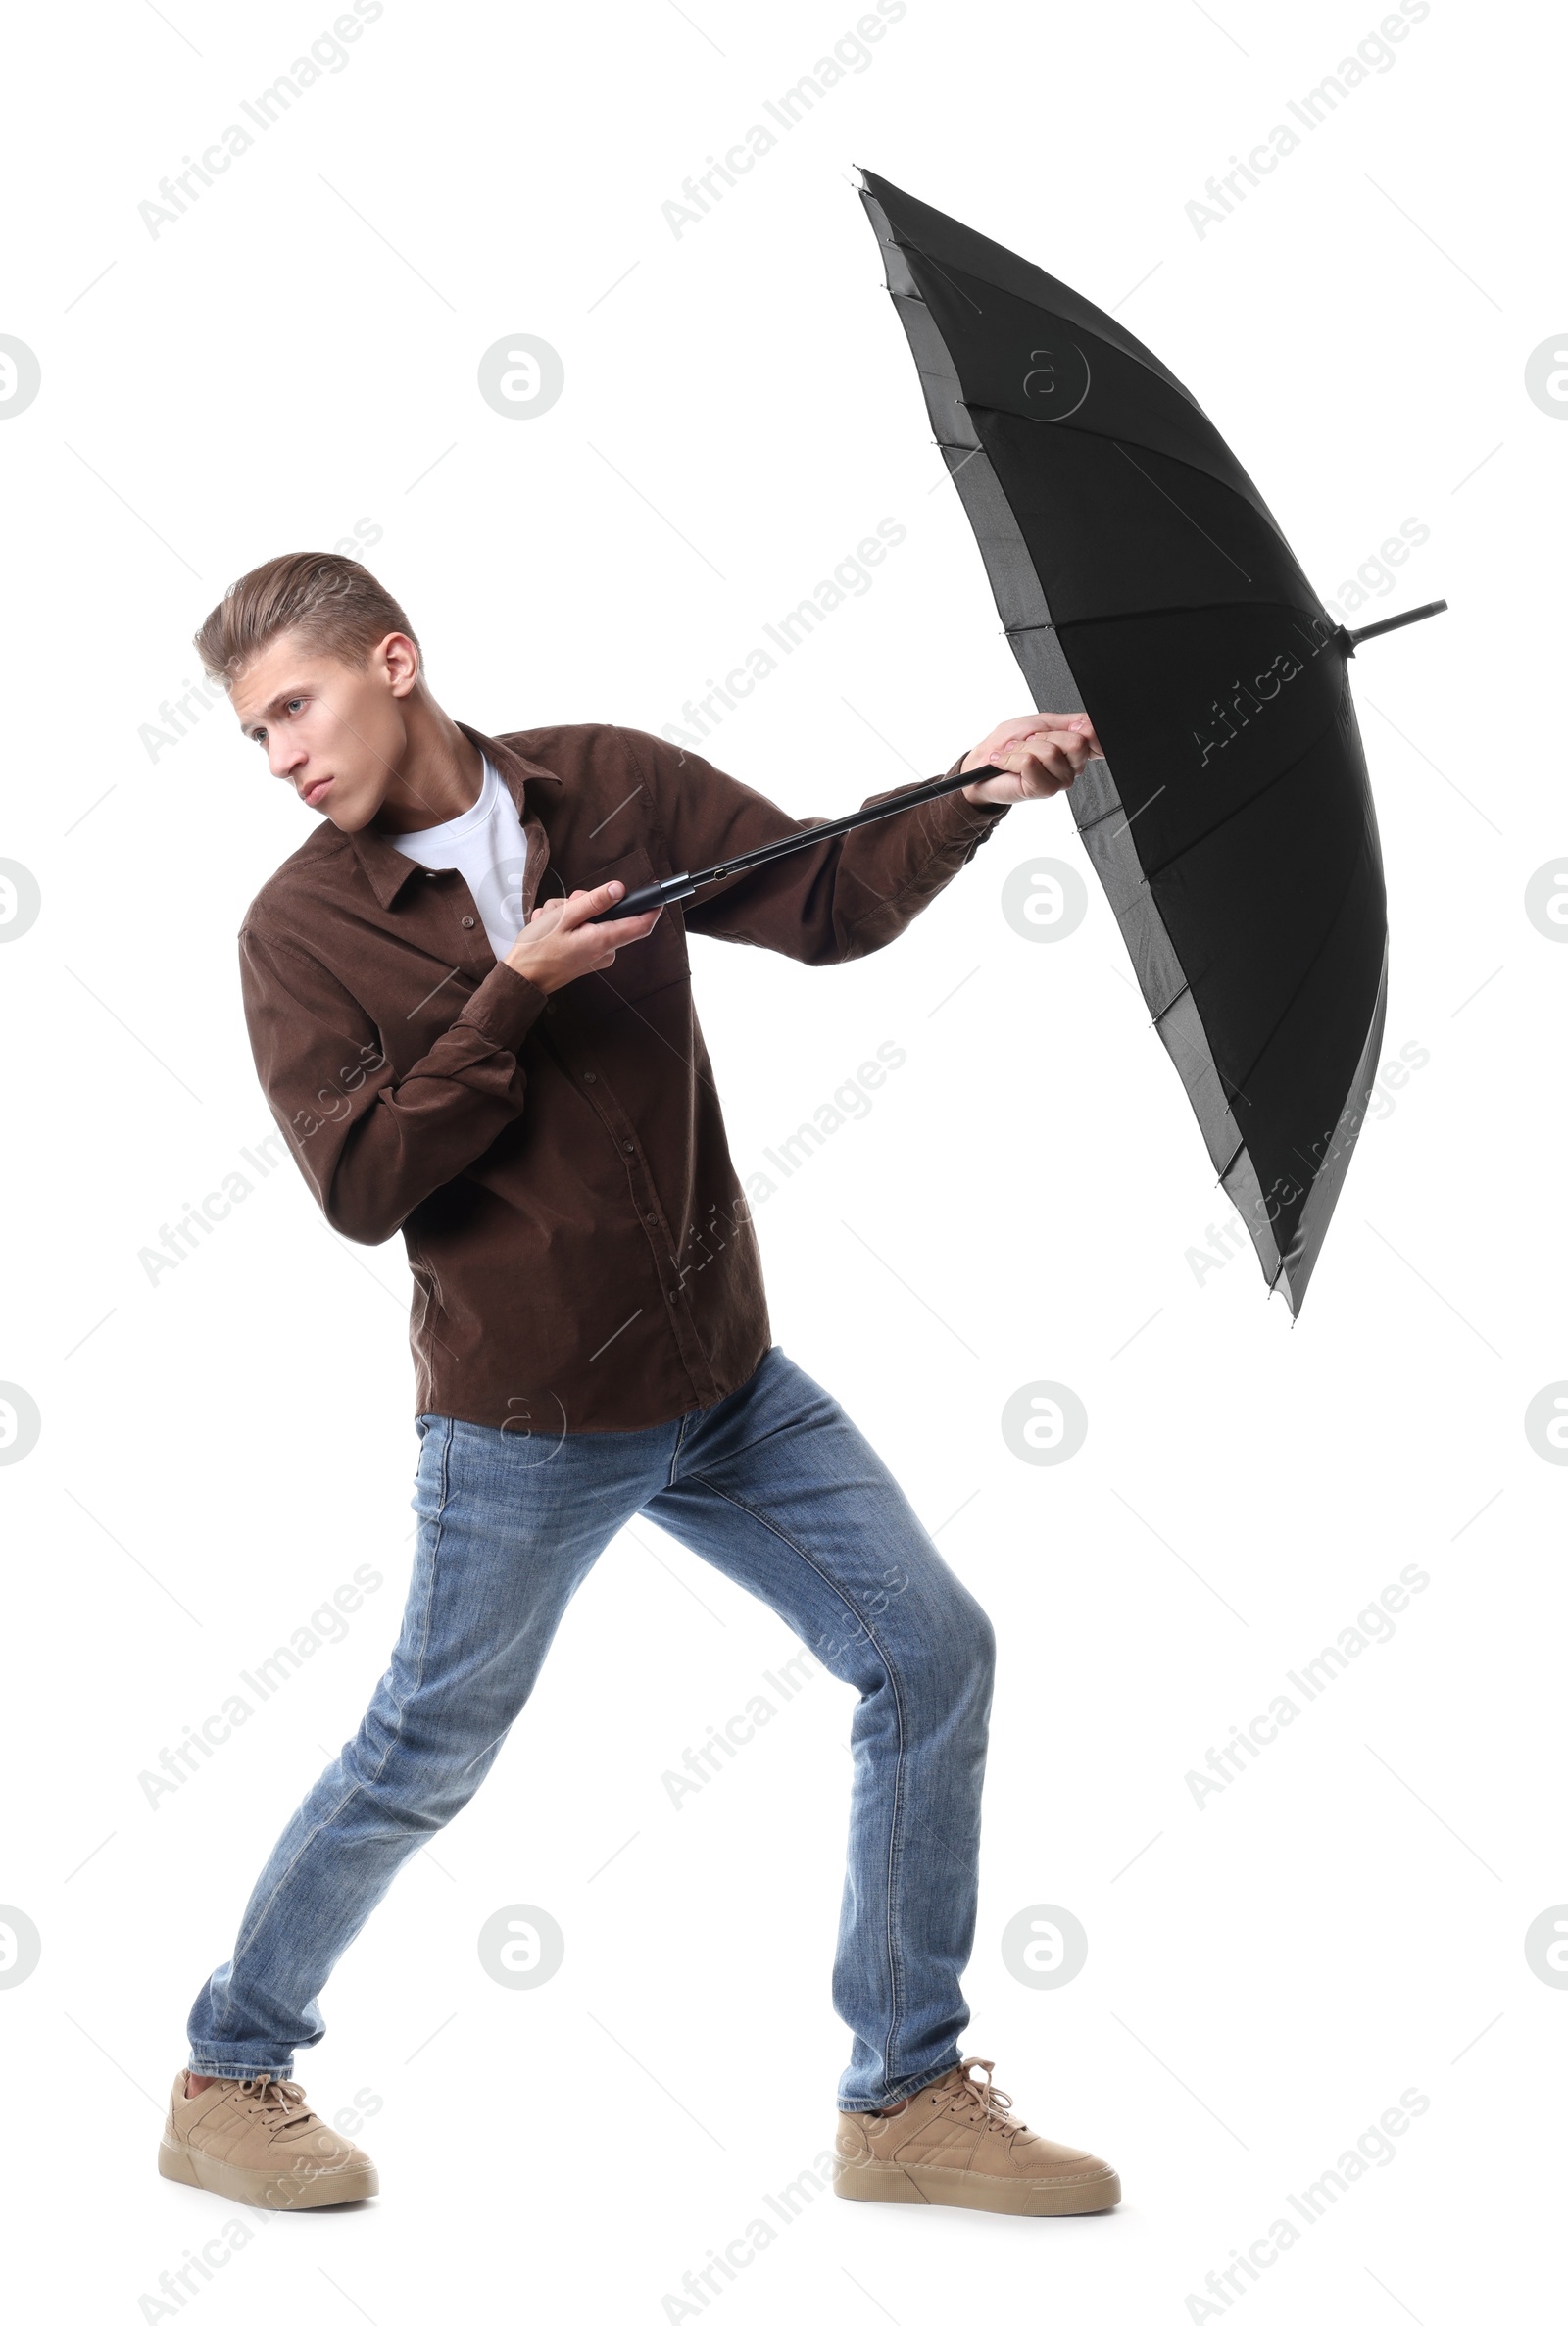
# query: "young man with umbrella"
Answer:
x=455 y=1048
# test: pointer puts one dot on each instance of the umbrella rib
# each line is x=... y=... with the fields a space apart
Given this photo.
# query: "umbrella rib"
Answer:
x=1295 y=993
x=1144 y=358
x=1185 y=987
x=1238 y=1089
x=1090 y=621
x=1091 y=823
x=1094 y=621
x=1233 y=1090
x=942 y=270
x=1252 y=499
x=1180 y=511
x=1153 y=872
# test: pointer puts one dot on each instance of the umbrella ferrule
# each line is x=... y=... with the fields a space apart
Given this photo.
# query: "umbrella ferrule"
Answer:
x=1352 y=639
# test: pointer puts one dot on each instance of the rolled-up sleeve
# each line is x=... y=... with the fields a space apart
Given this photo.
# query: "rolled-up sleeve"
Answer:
x=834 y=902
x=371 y=1146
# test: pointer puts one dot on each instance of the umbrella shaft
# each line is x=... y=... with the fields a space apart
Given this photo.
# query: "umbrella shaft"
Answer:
x=684 y=884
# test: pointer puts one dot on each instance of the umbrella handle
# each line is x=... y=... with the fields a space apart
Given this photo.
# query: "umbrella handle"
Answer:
x=652 y=894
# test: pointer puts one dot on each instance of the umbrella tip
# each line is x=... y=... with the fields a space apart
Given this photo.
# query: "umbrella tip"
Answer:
x=1349 y=640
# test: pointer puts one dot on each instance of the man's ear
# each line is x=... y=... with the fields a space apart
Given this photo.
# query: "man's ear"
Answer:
x=399 y=657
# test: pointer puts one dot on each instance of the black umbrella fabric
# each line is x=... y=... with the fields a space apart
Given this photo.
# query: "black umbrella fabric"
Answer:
x=1141 y=578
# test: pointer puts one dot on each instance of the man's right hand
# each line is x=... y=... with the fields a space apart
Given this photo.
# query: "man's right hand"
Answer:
x=555 y=945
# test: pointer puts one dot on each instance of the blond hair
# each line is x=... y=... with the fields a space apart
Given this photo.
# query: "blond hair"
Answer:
x=332 y=602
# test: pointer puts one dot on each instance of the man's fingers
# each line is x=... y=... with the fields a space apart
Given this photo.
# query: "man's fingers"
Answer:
x=564 y=916
x=584 y=903
x=1058 y=758
x=1038 y=722
x=615 y=934
x=1047 y=722
x=636 y=925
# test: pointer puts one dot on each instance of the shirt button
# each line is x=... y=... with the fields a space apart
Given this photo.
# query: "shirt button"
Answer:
x=590 y=1077
x=630 y=1146
x=432 y=876
x=467 y=920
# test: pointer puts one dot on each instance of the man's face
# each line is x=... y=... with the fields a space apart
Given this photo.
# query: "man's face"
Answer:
x=335 y=733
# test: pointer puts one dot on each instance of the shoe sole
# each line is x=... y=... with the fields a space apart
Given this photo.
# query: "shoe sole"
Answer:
x=283 y=2193
x=980 y=2193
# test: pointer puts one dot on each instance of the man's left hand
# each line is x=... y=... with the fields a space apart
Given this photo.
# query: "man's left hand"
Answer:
x=1032 y=758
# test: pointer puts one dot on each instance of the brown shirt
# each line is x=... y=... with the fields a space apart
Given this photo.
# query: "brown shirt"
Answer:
x=583 y=1256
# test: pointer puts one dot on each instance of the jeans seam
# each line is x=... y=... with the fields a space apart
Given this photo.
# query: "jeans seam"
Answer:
x=435 y=1557
x=895 y=1849
x=356 y=1790
x=237 y=2070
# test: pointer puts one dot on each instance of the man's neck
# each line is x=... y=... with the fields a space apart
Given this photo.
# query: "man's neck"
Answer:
x=438 y=777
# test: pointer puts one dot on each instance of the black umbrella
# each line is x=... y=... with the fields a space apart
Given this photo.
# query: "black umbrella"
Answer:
x=1141 y=579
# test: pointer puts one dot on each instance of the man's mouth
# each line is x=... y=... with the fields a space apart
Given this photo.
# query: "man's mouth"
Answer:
x=314 y=789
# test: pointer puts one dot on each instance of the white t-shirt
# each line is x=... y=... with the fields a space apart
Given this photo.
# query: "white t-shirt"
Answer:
x=489 y=846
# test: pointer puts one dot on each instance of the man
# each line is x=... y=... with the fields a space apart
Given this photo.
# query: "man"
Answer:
x=454 y=1048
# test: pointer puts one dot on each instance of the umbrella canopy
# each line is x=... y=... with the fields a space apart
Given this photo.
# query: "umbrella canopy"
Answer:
x=1141 y=579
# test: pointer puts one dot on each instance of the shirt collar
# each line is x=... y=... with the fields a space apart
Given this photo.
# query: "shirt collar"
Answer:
x=386 y=867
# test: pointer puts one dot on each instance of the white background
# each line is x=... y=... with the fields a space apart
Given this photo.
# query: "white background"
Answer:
x=1265 y=1974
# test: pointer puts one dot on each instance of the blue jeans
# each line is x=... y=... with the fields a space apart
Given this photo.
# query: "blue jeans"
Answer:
x=776 y=1487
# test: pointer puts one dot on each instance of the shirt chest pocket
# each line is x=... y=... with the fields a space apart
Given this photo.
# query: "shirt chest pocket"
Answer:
x=646 y=965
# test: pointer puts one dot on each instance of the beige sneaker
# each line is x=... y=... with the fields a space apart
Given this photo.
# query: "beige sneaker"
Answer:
x=953 y=2142
x=255 y=2142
